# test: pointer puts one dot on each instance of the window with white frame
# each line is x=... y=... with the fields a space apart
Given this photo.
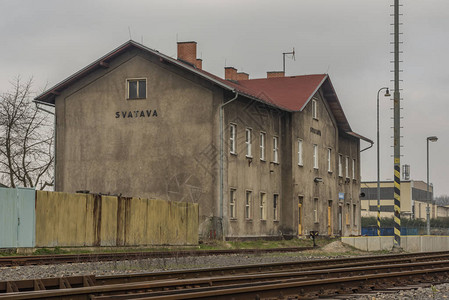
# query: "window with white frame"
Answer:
x=315 y=156
x=275 y=149
x=263 y=206
x=329 y=160
x=347 y=167
x=248 y=201
x=315 y=210
x=276 y=207
x=354 y=214
x=348 y=214
x=340 y=166
x=232 y=203
x=314 y=109
x=232 y=138
x=248 y=142
x=137 y=88
x=300 y=162
x=262 y=146
x=353 y=169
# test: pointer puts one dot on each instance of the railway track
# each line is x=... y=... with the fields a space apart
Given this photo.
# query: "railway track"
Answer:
x=306 y=280
x=9 y=261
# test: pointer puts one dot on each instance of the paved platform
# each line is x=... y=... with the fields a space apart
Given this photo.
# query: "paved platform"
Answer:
x=415 y=243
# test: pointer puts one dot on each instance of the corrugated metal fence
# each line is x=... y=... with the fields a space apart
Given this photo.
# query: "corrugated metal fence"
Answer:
x=17 y=217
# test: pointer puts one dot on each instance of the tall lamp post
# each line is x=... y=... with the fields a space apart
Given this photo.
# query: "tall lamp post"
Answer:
x=431 y=139
x=387 y=94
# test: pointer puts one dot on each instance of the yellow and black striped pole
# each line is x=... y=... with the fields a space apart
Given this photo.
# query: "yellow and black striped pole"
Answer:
x=378 y=220
x=397 y=136
x=397 y=203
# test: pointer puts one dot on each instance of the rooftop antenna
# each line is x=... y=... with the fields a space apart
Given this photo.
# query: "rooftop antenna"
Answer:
x=292 y=53
x=129 y=31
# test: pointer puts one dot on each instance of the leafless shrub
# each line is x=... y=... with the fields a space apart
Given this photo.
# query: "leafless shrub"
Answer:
x=26 y=139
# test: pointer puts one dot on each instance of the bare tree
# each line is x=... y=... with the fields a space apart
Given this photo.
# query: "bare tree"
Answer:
x=26 y=139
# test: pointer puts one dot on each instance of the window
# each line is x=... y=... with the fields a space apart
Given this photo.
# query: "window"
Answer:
x=275 y=150
x=232 y=138
x=353 y=169
x=314 y=109
x=315 y=210
x=276 y=207
x=340 y=166
x=262 y=146
x=248 y=200
x=300 y=153
x=348 y=213
x=329 y=160
x=137 y=88
x=263 y=206
x=315 y=156
x=248 y=142
x=347 y=167
x=354 y=214
x=232 y=194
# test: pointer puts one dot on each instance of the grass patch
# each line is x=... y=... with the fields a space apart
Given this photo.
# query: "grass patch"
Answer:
x=263 y=244
x=44 y=251
x=209 y=245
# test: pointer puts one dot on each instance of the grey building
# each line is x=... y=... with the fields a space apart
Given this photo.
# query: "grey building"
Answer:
x=262 y=157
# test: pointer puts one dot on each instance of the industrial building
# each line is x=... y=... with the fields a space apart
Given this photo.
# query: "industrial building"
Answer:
x=265 y=157
x=414 y=200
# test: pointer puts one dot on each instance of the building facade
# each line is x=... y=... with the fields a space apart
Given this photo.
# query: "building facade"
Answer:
x=414 y=200
x=262 y=157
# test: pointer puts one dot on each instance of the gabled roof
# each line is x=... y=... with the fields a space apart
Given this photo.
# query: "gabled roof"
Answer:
x=286 y=93
x=291 y=93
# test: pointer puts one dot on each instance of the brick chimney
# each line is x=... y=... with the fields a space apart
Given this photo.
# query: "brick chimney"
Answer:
x=187 y=53
x=275 y=74
x=230 y=73
x=242 y=76
x=199 y=64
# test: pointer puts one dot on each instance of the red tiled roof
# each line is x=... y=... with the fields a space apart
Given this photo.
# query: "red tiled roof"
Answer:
x=291 y=93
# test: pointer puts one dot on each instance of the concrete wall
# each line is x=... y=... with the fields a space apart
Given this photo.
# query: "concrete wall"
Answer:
x=408 y=243
x=64 y=219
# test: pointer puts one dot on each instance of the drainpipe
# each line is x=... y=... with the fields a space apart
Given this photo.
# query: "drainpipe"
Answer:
x=37 y=102
x=221 y=117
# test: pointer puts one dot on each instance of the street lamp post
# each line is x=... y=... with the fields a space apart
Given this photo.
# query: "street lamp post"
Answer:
x=432 y=139
x=387 y=94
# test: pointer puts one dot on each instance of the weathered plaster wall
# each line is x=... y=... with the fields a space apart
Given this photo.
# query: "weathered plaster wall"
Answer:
x=321 y=131
x=150 y=148
x=253 y=173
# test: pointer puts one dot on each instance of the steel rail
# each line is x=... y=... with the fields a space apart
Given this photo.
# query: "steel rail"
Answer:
x=90 y=280
x=8 y=261
x=204 y=285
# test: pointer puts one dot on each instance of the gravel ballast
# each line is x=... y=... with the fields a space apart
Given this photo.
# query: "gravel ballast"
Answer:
x=162 y=264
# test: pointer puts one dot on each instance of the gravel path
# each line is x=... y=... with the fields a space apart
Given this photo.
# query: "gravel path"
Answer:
x=149 y=265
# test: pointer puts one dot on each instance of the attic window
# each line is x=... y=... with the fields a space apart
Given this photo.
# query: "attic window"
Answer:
x=314 y=109
x=137 y=88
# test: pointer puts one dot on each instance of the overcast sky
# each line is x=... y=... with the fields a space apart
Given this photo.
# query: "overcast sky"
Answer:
x=348 y=39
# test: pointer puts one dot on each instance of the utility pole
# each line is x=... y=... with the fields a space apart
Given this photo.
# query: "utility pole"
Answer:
x=397 y=134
